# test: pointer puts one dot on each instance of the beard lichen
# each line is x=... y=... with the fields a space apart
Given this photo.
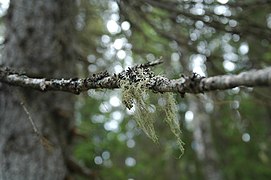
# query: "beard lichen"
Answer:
x=134 y=86
x=133 y=95
x=172 y=120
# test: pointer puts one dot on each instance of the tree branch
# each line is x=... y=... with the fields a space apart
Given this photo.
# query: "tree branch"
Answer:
x=186 y=84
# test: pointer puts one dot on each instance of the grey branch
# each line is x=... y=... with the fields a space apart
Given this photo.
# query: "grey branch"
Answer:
x=185 y=84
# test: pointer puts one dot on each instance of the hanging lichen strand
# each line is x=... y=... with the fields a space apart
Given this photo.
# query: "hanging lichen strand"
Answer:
x=134 y=95
x=135 y=84
x=172 y=120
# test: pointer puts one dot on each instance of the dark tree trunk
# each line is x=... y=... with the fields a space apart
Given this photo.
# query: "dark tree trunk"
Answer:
x=39 y=41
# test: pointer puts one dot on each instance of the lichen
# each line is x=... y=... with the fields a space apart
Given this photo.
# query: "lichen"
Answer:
x=134 y=85
x=172 y=120
x=133 y=95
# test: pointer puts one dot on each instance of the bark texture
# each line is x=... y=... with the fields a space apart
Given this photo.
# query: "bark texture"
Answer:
x=39 y=37
x=185 y=84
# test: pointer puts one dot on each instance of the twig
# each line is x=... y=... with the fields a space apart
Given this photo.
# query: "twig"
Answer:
x=44 y=141
x=31 y=120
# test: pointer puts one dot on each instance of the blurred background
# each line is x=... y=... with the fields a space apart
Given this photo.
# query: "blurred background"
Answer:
x=227 y=134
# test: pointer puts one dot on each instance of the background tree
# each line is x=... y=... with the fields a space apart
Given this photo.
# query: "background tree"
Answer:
x=39 y=40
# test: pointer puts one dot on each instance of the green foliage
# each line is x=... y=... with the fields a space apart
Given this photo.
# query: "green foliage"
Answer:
x=177 y=34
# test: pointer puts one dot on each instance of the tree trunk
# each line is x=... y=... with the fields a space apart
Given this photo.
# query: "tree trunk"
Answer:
x=39 y=38
x=204 y=145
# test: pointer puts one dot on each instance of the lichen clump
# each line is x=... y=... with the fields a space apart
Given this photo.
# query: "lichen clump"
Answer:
x=134 y=85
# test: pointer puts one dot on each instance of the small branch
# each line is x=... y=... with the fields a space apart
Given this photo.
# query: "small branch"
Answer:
x=44 y=141
x=186 y=84
x=35 y=129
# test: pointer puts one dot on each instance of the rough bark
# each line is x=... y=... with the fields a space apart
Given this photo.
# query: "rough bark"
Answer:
x=38 y=40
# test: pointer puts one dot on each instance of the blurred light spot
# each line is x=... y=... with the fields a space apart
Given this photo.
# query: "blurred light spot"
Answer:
x=113 y=27
x=230 y=56
x=111 y=125
x=4 y=4
x=105 y=39
x=129 y=134
x=114 y=6
x=235 y=90
x=197 y=64
x=121 y=54
x=91 y=58
x=80 y=20
x=109 y=53
x=199 y=24
x=206 y=18
x=129 y=161
x=222 y=1
x=118 y=44
x=125 y=26
x=122 y=137
x=106 y=155
x=226 y=38
x=101 y=63
x=246 y=137
x=199 y=70
x=235 y=37
x=98 y=160
x=118 y=68
x=114 y=101
x=228 y=65
x=117 y=115
x=198 y=9
x=128 y=61
x=130 y=143
x=175 y=57
x=193 y=36
x=130 y=125
x=92 y=68
x=115 y=17
x=243 y=49
x=98 y=118
x=220 y=10
x=189 y=116
x=232 y=23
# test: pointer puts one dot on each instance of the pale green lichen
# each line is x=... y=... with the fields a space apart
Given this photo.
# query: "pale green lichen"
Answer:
x=172 y=120
x=134 y=94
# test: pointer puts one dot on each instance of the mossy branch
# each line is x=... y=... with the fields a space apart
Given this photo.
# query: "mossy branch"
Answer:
x=185 y=84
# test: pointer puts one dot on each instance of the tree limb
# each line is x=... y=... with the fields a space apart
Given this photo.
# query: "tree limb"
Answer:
x=186 y=84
